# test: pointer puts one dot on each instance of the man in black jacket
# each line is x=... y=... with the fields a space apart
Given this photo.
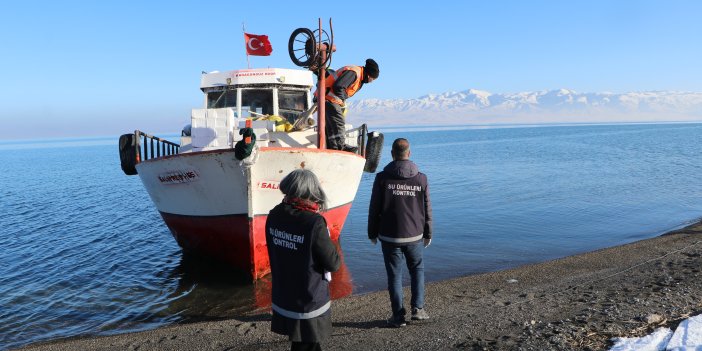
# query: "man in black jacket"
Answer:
x=400 y=216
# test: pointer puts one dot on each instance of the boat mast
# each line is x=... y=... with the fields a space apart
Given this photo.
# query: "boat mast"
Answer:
x=321 y=92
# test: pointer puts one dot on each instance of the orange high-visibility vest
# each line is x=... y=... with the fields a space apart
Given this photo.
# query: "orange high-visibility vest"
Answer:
x=352 y=89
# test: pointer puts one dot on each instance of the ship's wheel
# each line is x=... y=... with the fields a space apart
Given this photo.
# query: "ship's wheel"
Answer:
x=305 y=51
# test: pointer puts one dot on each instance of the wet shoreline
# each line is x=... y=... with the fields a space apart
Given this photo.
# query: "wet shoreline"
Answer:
x=575 y=303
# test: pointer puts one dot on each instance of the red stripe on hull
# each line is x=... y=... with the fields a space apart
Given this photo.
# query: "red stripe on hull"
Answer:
x=224 y=238
x=236 y=239
x=340 y=285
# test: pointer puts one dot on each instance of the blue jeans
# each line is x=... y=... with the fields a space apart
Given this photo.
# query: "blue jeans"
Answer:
x=412 y=255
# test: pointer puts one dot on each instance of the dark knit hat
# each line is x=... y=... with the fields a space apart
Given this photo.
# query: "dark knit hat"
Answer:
x=372 y=68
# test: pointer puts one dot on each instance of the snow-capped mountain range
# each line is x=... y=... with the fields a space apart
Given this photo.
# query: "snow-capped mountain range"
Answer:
x=554 y=106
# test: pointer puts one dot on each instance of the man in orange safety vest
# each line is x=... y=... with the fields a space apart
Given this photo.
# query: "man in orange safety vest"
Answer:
x=341 y=85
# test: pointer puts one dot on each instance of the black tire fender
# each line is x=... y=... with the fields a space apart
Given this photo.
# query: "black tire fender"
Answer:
x=128 y=154
x=374 y=148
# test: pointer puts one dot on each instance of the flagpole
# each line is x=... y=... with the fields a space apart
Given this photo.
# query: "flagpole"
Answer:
x=243 y=29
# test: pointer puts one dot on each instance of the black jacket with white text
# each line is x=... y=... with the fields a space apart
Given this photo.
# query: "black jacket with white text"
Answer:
x=300 y=251
x=400 y=208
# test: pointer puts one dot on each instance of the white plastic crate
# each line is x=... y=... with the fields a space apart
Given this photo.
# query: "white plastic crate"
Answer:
x=213 y=128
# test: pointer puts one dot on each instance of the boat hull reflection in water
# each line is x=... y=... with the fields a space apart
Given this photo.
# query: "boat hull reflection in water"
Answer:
x=208 y=290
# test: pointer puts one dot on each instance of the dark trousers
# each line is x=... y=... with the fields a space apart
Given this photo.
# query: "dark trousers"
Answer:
x=305 y=346
x=412 y=256
x=334 y=126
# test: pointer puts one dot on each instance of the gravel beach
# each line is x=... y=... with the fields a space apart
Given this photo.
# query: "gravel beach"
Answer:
x=575 y=303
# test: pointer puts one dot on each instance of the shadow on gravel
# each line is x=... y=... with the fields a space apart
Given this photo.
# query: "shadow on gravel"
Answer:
x=264 y=317
x=362 y=325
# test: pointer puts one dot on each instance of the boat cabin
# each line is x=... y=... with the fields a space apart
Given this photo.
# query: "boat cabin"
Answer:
x=273 y=98
x=256 y=92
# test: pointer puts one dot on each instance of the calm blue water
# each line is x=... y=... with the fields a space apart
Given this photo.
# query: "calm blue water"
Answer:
x=84 y=252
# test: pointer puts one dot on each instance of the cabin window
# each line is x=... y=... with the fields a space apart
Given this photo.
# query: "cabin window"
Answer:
x=220 y=99
x=291 y=103
x=256 y=102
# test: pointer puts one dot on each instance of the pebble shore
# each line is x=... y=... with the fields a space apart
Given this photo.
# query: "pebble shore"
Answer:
x=579 y=302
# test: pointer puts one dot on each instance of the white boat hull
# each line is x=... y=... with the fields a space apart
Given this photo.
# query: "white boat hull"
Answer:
x=215 y=205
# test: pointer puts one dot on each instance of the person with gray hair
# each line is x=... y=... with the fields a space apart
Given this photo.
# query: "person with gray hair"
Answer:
x=303 y=184
x=301 y=255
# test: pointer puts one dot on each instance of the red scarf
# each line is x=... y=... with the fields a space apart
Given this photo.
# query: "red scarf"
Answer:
x=302 y=204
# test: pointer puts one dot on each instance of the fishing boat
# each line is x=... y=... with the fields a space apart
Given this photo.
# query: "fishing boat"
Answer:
x=215 y=200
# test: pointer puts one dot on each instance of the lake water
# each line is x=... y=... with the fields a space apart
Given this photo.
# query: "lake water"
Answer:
x=84 y=251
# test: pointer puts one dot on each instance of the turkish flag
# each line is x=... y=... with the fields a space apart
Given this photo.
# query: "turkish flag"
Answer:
x=257 y=45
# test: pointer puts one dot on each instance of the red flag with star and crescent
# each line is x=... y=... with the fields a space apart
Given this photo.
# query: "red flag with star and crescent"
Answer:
x=257 y=45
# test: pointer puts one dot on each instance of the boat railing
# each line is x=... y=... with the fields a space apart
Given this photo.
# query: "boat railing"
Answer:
x=362 y=136
x=149 y=146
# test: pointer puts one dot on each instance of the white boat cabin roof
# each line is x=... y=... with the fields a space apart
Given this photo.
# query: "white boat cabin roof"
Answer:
x=256 y=76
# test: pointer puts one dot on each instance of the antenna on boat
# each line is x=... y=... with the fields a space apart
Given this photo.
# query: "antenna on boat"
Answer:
x=313 y=50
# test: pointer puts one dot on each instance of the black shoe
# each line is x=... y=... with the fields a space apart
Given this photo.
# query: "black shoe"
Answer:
x=397 y=321
x=349 y=148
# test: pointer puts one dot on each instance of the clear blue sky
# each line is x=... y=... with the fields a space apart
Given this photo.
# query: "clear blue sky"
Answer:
x=82 y=68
